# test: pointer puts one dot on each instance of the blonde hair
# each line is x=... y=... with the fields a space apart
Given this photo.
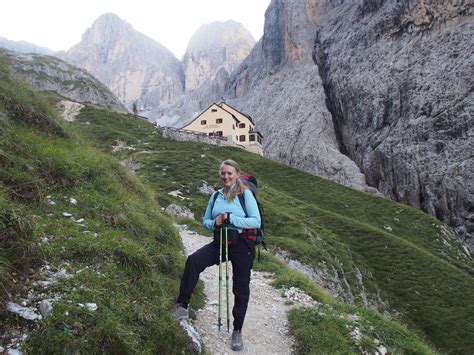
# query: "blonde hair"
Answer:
x=238 y=188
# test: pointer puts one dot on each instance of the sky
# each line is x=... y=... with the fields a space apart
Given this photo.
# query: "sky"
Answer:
x=59 y=24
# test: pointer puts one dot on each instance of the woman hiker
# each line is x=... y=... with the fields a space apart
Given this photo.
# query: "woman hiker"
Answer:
x=225 y=211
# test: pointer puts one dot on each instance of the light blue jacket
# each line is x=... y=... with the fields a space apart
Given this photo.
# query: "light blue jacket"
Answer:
x=238 y=220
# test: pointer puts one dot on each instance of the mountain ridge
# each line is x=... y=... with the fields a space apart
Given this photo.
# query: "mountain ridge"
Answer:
x=48 y=73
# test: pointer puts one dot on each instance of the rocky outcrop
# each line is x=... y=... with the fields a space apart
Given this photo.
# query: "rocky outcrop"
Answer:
x=398 y=76
x=140 y=72
x=50 y=73
x=215 y=46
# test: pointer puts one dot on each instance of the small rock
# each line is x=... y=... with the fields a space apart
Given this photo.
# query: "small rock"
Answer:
x=193 y=334
x=67 y=214
x=73 y=201
x=176 y=193
x=387 y=228
x=45 y=308
x=382 y=350
x=356 y=334
x=43 y=283
x=80 y=220
x=52 y=203
x=60 y=275
x=179 y=211
x=24 y=312
x=13 y=351
x=44 y=239
x=205 y=189
x=91 y=307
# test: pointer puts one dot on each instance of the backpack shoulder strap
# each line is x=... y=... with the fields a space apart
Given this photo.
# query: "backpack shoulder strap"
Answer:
x=242 y=203
x=214 y=198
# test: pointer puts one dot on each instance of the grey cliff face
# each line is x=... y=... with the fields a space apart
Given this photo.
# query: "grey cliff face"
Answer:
x=215 y=46
x=50 y=73
x=280 y=87
x=399 y=81
x=141 y=72
x=373 y=90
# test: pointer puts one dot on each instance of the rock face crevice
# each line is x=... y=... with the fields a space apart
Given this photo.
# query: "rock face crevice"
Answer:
x=319 y=58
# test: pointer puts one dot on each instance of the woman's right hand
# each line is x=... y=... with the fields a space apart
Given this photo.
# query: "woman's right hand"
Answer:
x=220 y=220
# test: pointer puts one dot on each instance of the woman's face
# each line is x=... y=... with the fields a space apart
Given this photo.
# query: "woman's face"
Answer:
x=228 y=175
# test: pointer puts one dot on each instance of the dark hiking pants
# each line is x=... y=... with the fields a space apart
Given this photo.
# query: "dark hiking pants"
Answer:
x=241 y=256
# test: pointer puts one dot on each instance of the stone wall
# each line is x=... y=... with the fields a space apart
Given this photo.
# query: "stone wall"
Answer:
x=183 y=135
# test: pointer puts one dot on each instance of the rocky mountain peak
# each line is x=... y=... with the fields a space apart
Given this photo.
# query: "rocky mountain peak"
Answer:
x=107 y=27
x=141 y=72
x=215 y=46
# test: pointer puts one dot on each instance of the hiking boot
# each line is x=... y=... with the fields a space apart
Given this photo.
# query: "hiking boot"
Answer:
x=237 y=342
x=179 y=312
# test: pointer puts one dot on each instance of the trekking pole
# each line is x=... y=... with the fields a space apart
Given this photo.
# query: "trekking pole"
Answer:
x=219 y=322
x=227 y=277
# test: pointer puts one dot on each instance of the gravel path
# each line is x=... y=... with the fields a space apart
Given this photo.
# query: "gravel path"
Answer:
x=265 y=329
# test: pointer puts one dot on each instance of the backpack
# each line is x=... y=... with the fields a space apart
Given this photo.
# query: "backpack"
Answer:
x=258 y=234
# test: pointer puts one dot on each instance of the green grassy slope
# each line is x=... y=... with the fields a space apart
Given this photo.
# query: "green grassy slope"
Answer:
x=124 y=256
x=418 y=266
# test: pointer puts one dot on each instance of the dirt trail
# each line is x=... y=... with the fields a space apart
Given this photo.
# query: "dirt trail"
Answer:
x=265 y=329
